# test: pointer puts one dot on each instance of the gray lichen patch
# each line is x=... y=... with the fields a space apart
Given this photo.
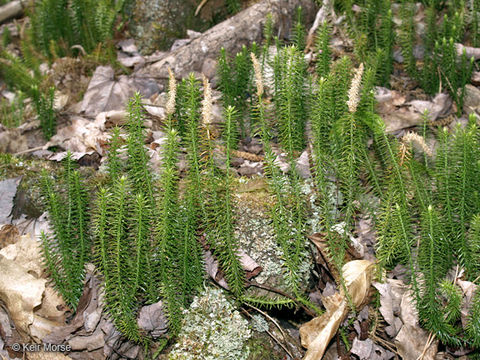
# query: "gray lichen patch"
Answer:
x=212 y=329
x=256 y=235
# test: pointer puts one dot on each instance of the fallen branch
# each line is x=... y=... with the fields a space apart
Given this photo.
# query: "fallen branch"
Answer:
x=12 y=10
x=241 y=29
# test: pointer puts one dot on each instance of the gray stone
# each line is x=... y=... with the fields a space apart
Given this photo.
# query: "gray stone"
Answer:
x=471 y=102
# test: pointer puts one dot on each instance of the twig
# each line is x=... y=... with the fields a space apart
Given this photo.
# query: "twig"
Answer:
x=29 y=150
x=274 y=338
x=385 y=343
x=430 y=339
x=270 y=318
x=199 y=7
x=474 y=281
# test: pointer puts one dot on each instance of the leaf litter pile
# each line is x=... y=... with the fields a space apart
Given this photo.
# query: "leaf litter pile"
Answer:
x=359 y=306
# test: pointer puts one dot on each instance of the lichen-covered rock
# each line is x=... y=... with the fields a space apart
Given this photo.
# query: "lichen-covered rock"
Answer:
x=256 y=235
x=212 y=329
x=156 y=23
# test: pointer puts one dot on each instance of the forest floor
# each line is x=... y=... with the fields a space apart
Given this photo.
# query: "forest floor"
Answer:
x=90 y=101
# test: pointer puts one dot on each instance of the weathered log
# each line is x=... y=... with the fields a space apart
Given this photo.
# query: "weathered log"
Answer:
x=12 y=10
x=242 y=29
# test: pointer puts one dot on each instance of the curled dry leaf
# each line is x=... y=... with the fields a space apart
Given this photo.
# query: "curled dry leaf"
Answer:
x=26 y=253
x=317 y=333
x=399 y=312
x=8 y=235
x=81 y=137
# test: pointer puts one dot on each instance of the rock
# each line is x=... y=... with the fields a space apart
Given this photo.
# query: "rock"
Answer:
x=179 y=43
x=256 y=235
x=209 y=68
x=237 y=161
x=249 y=168
x=156 y=23
x=193 y=34
x=471 y=101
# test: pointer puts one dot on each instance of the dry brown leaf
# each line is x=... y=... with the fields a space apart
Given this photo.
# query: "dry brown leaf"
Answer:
x=8 y=235
x=391 y=293
x=106 y=93
x=90 y=342
x=20 y=292
x=82 y=136
x=317 y=333
x=368 y=350
x=37 y=319
x=25 y=252
x=212 y=267
x=412 y=339
x=152 y=319
x=8 y=189
x=468 y=289
x=43 y=355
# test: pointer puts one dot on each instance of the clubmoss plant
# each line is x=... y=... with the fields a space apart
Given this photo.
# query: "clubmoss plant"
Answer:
x=67 y=249
x=407 y=36
x=290 y=98
x=43 y=104
x=473 y=325
x=114 y=245
x=18 y=75
x=59 y=25
x=322 y=44
x=12 y=113
x=287 y=212
x=220 y=218
x=235 y=75
x=193 y=210
x=298 y=31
